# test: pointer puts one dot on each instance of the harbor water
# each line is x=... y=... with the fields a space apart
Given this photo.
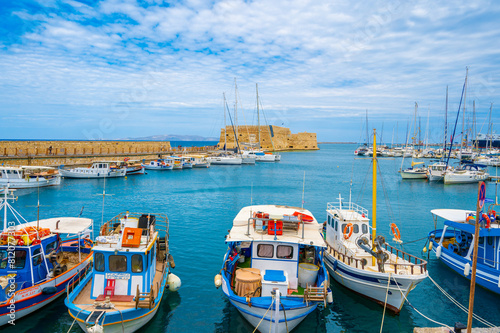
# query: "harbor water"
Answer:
x=201 y=204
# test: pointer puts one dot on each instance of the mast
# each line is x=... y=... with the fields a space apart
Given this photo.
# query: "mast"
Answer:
x=473 y=127
x=490 y=130
x=225 y=134
x=235 y=109
x=258 y=112
x=463 y=112
x=445 y=122
x=374 y=194
x=367 y=134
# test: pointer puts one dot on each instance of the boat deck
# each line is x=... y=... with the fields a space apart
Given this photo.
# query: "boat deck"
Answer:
x=84 y=300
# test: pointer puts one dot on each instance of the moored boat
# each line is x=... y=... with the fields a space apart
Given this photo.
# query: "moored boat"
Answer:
x=36 y=266
x=28 y=177
x=454 y=244
x=99 y=169
x=130 y=275
x=273 y=271
x=466 y=174
x=159 y=164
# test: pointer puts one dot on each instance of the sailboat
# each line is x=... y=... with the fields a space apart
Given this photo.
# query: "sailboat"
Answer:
x=412 y=172
x=436 y=171
x=368 y=265
x=225 y=158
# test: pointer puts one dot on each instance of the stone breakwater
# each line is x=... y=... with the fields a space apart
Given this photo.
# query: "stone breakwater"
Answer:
x=55 y=153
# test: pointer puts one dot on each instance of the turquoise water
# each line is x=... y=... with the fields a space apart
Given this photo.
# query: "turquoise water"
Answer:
x=201 y=204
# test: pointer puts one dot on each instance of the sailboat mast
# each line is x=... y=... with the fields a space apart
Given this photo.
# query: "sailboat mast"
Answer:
x=374 y=193
x=258 y=112
x=225 y=134
x=490 y=130
x=463 y=112
x=235 y=108
x=445 y=122
x=367 y=134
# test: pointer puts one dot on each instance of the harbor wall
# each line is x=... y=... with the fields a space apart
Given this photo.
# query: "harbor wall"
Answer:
x=283 y=139
x=55 y=153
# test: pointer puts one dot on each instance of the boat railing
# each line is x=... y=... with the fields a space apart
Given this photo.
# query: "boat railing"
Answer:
x=161 y=223
x=346 y=259
x=347 y=205
x=75 y=280
x=418 y=264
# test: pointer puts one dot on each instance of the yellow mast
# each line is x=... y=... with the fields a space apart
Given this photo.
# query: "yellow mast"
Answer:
x=374 y=194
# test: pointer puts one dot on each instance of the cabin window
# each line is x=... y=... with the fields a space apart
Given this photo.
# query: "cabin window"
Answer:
x=265 y=250
x=284 y=252
x=51 y=246
x=355 y=228
x=19 y=259
x=490 y=240
x=99 y=262
x=343 y=226
x=481 y=240
x=37 y=257
x=336 y=225
x=117 y=263
x=364 y=228
x=137 y=263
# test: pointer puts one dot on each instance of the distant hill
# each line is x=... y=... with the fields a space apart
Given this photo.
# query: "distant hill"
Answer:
x=173 y=137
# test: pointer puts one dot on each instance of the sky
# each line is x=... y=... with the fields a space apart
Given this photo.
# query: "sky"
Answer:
x=112 y=69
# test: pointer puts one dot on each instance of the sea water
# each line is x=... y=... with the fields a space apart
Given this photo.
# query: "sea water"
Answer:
x=201 y=204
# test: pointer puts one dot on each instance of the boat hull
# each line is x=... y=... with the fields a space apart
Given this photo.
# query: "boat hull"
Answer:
x=413 y=175
x=161 y=167
x=109 y=174
x=225 y=161
x=30 y=182
x=451 y=178
x=373 y=285
x=135 y=171
x=31 y=299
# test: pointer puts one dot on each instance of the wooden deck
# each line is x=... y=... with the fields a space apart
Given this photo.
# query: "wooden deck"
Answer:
x=85 y=301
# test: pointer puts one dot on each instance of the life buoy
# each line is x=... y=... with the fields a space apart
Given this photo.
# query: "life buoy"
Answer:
x=395 y=231
x=349 y=227
x=488 y=222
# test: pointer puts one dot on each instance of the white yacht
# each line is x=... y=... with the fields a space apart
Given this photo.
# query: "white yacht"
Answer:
x=101 y=169
x=467 y=173
x=225 y=160
x=436 y=171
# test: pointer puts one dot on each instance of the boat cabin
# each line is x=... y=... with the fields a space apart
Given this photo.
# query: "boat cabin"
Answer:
x=346 y=221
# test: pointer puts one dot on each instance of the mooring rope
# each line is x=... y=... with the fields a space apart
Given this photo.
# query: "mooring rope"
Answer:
x=385 y=303
x=256 y=327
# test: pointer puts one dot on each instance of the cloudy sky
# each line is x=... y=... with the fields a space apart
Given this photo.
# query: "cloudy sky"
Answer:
x=129 y=68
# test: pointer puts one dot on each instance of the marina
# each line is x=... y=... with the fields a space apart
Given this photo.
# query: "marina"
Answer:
x=198 y=202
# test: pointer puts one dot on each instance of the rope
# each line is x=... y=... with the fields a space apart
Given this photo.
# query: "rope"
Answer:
x=420 y=313
x=284 y=312
x=73 y=323
x=256 y=327
x=385 y=303
x=460 y=306
x=413 y=241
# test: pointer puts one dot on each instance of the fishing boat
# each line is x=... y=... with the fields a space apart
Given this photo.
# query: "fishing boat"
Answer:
x=130 y=275
x=467 y=173
x=159 y=164
x=453 y=244
x=365 y=263
x=201 y=162
x=133 y=168
x=28 y=177
x=187 y=162
x=436 y=171
x=273 y=271
x=99 y=169
x=36 y=265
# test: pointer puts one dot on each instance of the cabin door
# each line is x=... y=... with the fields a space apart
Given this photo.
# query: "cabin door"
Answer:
x=489 y=249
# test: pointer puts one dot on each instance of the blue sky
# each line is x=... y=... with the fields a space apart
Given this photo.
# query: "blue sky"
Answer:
x=128 y=68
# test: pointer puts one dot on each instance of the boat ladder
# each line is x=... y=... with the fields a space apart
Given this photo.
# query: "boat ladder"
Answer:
x=94 y=317
x=315 y=294
x=144 y=300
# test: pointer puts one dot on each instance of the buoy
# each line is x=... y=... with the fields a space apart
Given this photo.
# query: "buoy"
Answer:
x=438 y=252
x=171 y=261
x=424 y=249
x=467 y=269
x=218 y=281
x=174 y=282
x=95 y=329
x=430 y=246
x=49 y=290
x=329 y=296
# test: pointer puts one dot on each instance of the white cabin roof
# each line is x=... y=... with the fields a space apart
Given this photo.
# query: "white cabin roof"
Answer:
x=240 y=228
x=454 y=215
x=66 y=225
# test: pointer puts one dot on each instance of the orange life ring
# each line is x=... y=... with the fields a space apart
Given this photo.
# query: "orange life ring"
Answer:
x=351 y=228
x=395 y=231
x=488 y=222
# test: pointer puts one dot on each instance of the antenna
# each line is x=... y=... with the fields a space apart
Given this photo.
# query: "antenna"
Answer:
x=102 y=213
x=303 y=187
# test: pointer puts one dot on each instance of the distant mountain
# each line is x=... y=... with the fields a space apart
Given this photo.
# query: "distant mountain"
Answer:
x=173 y=137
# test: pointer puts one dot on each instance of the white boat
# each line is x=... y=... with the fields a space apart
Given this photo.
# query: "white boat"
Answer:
x=177 y=162
x=225 y=160
x=247 y=157
x=159 y=164
x=200 y=162
x=36 y=266
x=100 y=169
x=488 y=160
x=365 y=263
x=466 y=174
x=275 y=255
x=187 y=162
x=28 y=177
x=129 y=277
x=436 y=171
x=414 y=173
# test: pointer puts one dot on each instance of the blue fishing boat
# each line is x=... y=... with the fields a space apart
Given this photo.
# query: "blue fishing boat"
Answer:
x=273 y=270
x=36 y=264
x=454 y=243
x=131 y=274
x=159 y=164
